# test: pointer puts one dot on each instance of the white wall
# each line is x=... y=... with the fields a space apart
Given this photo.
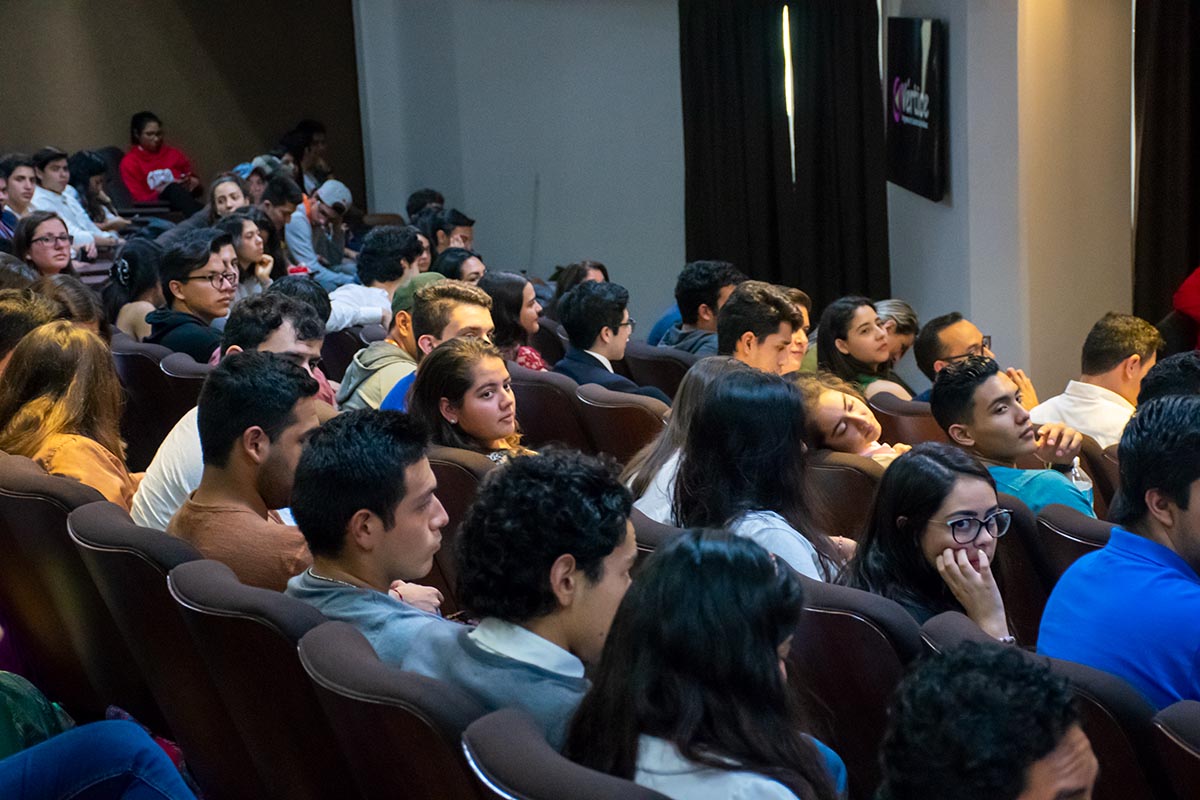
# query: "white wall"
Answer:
x=557 y=124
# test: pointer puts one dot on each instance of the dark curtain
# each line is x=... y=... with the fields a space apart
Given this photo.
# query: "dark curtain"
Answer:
x=1167 y=102
x=825 y=233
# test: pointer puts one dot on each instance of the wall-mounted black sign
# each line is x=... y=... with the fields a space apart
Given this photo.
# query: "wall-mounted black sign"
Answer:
x=915 y=83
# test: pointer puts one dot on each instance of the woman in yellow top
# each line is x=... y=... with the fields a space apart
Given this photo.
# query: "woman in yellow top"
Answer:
x=60 y=405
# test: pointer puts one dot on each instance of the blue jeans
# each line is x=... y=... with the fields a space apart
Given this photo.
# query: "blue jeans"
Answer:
x=93 y=762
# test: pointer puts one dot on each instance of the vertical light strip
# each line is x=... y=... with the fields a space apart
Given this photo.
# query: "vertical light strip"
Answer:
x=789 y=88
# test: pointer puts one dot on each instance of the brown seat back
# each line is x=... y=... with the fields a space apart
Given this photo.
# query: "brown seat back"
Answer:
x=1177 y=740
x=905 y=421
x=842 y=490
x=1020 y=580
x=401 y=732
x=848 y=653
x=619 y=423
x=663 y=367
x=550 y=341
x=338 y=350
x=372 y=333
x=547 y=409
x=512 y=761
x=458 y=474
x=248 y=637
x=1064 y=535
x=129 y=565
x=650 y=534
x=59 y=623
x=1091 y=460
x=151 y=407
x=1110 y=465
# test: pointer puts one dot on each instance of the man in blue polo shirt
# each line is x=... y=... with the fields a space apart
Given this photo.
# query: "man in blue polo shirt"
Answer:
x=1132 y=608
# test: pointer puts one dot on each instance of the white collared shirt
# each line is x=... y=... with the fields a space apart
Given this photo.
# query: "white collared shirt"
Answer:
x=78 y=223
x=1098 y=412
x=521 y=644
x=602 y=359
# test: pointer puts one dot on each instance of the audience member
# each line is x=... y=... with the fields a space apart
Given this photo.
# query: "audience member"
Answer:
x=20 y=182
x=388 y=259
x=270 y=323
x=134 y=289
x=15 y=273
x=743 y=469
x=1130 y=608
x=464 y=396
x=79 y=303
x=308 y=148
x=253 y=264
x=22 y=310
x=950 y=338
x=425 y=260
x=199 y=277
x=1185 y=301
x=256 y=411
x=445 y=228
x=53 y=177
x=460 y=264
x=568 y=277
x=545 y=594
x=650 y=474
x=226 y=194
x=798 y=351
x=156 y=172
x=984 y=721
x=1118 y=352
x=515 y=311
x=422 y=199
x=979 y=407
x=262 y=169
x=316 y=238
x=42 y=241
x=900 y=322
x=1177 y=374
x=838 y=418
x=60 y=405
x=701 y=290
x=596 y=319
x=853 y=345
x=755 y=326
x=279 y=201
x=930 y=543
x=8 y=220
x=691 y=697
x=442 y=311
x=88 y=171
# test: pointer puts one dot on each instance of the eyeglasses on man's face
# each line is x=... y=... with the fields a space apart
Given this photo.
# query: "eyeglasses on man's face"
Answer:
x=632 y=323
x=965 y=530
x=984 y=348
x=215 y=279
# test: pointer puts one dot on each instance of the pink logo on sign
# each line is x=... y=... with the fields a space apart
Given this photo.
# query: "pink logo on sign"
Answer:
x=897 y=99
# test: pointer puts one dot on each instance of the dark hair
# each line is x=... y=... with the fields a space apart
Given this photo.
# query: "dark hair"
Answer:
x=12 y=162
x=22 y=240
x=952 y=399
x=14 y=273
x=434 y=303
x=889 y=560
x=294 y=143
x=188 y=253
x=757 y=307
x=799 y=297
x=700 y=283
x=42 y=158
x=835 y=324
x=282 y=190
x=85 y=165
x=272 y=238
x=692 y=658
x=383 y=248
x=223 y=178
x=422 y=199
x=254 y=319
x=1177 y=374
x=81 y=303
x=450 y=261
x=434 y=218
x=1114 y=338
x=354 y=461
x=138 y=123
x=306 y=289
x=504 y=561
x=134 y=272
x=507 y=290
x=248 y=390
x=744 y=452
x=568 y=277
x=927 y=347
x=589 y=308
x=233 y=226
x=968 y=724
x=22 y=310
x=1160 y=449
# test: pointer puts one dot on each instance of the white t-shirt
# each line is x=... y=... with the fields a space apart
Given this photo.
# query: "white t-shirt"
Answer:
x=353 y=304
x=174 y=474
x=1098 y=412
x=658 y=499
x=775 y=534
x=661 y=767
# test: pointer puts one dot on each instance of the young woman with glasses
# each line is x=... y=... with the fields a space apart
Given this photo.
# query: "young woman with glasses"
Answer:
x=930 y=544
x=41 y=240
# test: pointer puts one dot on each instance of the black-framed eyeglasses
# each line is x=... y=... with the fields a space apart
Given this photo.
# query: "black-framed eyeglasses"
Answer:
x=632 y=323
x=982 y=349
x=965 y=530
x=215 y=279
x=62 y=238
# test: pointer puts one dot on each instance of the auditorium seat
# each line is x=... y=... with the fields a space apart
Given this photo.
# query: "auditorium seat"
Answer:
x=547 y=409
x=1110 y=465
x=56 y=617
x=129 y=566
x=650 y=534
x=842 y=490
x=458 y=474
x=512 y=761
x=849 y=651
x=1091 y=460
x=550 y=341
x=372 y=333
x=185 y=379
x=619 y=423
x=662 y=367
x=1064 y=535
x=338 y=350
x=248 y=637
x=905 y=421
x=1177 y=740
x=400 y=732
x=150 y=411
x=1017 y=572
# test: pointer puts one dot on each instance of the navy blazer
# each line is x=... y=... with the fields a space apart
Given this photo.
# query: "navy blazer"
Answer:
x=582 y=367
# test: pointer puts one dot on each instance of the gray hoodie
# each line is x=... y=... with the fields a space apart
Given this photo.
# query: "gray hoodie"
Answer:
x=371 y=375
x=702 y=343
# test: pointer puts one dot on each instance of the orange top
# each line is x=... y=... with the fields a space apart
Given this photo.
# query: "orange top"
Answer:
x=90 y=463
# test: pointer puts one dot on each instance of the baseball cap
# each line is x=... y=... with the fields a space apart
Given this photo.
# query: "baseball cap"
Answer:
x=334 y=193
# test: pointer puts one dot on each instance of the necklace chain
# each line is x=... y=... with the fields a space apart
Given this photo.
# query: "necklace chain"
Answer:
x=332 y=580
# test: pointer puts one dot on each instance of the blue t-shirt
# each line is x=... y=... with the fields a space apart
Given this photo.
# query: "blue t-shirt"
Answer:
x=1130 y=609
x=397 y=398
x=1038 y=488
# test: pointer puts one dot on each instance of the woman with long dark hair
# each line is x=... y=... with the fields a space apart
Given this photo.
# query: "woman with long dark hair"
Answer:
x=133 y=289
x=743 y=468
x=931 y=541
x=853 y=344
x=691 y=697
x=515 y=311
x=249 y=242
x=567 y=278
x=43 y=242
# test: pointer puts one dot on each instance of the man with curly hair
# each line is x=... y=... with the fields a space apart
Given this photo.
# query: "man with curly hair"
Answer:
x=985 y=721
x=544 y=557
